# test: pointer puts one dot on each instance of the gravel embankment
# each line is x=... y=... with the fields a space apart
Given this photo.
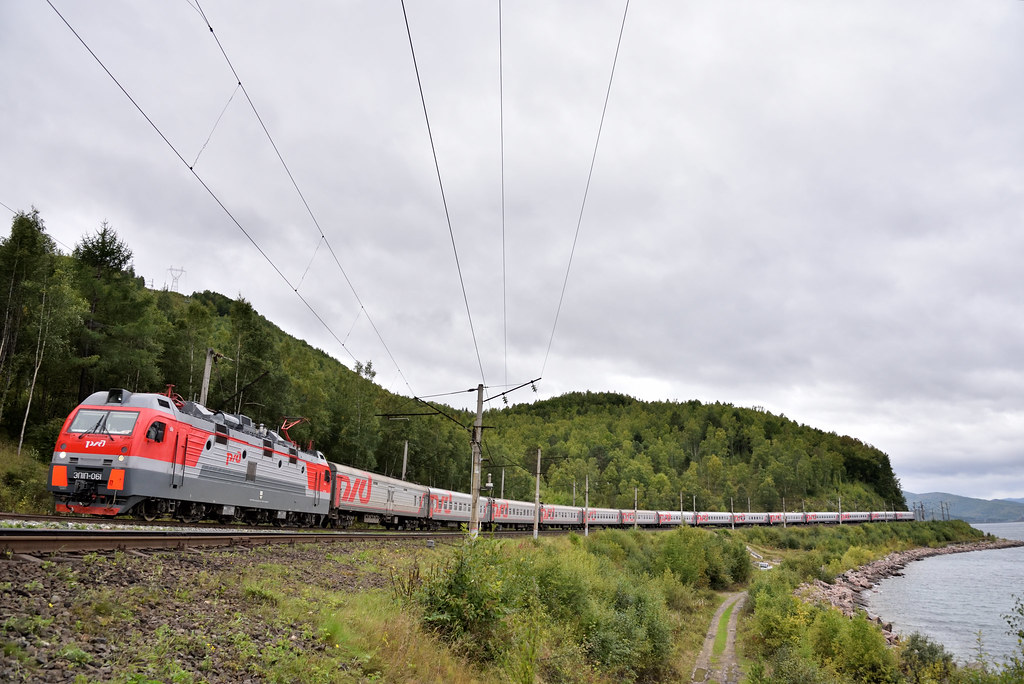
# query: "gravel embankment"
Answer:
x=845 y=593
x=105 y=616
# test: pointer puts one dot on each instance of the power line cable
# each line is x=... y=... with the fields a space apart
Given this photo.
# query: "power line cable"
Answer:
x=586 y=191
x=201 y=181
x=501 y=129
x=444 y=200
x=216 y=123
x=302 y=197
x=50 y=236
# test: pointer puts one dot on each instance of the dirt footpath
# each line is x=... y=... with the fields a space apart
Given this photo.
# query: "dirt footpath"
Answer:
x=722 y=668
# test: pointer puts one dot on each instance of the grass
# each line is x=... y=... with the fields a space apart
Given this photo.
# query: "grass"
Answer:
x=312 y=633
x=304 y=615
x=722 y=633
x=23 y=481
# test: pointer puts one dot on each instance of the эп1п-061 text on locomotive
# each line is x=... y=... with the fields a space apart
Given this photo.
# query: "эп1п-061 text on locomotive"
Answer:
x=150 y=455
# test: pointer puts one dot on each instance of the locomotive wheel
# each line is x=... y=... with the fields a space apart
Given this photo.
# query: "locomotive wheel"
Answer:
x=150 y=509
x=191 y=512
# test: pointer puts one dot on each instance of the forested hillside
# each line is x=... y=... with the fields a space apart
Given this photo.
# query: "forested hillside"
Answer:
x=74 y=324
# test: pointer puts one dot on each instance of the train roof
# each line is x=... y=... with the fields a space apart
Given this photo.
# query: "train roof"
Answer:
x=161 y=402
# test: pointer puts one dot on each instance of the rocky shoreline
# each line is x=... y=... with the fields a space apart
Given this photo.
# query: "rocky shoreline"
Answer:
x=845 y=593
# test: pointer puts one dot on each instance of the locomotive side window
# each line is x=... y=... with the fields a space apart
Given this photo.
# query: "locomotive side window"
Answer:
x=156 y=431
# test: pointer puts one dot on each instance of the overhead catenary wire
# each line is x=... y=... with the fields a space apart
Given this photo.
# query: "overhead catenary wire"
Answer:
x=501 y=135
x=215 y=124
x=586 y=191
x=208 y=189
x=444 y=200
x=302 y=197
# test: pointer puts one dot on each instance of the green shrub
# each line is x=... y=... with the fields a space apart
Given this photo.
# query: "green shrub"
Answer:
x=923 y=661
x=864 y=655
x=463 y=598
x=810 y=565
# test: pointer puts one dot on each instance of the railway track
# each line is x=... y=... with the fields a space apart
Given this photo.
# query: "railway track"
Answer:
x=22 y=543
x=62 y=519
x=17 y=542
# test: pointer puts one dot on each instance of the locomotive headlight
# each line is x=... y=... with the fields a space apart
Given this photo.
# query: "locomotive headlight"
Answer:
x=121 y=457
x=62 y=454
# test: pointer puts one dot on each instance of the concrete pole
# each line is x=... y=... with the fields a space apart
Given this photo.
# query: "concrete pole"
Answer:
x=405 y=458
x=206 y=375
x=634 y=507
x=478 y=428
x=733 y=512
x=536 y=500
x=503 y=483
x=586 y=508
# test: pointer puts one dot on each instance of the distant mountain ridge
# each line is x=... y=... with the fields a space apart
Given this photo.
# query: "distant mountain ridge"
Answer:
x=966 y=508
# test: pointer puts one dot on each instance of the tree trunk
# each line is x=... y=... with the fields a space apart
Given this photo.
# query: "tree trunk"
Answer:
x=44 y=325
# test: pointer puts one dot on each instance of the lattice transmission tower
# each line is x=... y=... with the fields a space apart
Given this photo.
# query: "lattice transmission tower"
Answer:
x=176 y=274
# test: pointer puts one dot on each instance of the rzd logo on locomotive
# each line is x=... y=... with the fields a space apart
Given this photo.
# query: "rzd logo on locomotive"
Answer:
x=350 y=490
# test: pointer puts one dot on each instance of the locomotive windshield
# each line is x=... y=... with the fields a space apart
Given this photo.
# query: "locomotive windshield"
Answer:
x=104 y=422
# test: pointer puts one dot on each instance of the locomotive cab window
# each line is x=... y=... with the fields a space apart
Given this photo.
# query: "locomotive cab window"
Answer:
x=104 y=422
x=156 y=431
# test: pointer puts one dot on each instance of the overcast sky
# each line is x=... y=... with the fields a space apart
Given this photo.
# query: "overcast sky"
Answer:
x=816 y=208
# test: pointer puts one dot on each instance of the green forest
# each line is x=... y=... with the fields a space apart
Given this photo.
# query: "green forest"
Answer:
x=82 y=322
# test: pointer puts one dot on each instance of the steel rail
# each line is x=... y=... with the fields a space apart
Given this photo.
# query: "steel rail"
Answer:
x=22 y=541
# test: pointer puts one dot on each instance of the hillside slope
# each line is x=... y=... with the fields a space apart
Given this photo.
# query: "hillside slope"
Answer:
x=966 y=508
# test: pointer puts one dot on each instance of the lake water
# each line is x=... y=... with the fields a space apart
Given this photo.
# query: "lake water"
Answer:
x=951 y=599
